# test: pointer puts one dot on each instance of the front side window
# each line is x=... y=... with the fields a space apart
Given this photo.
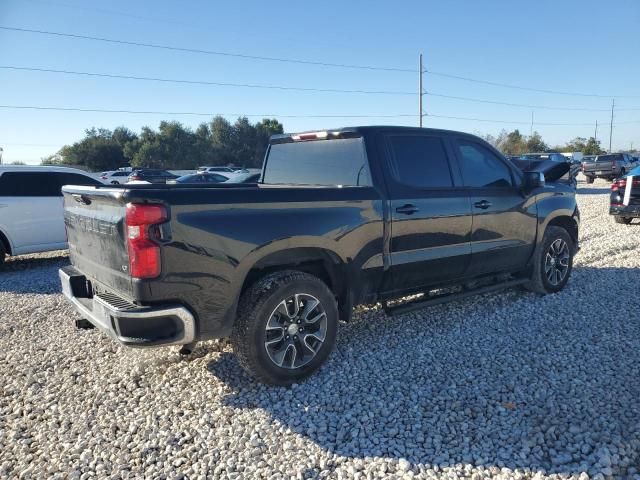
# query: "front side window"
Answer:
x=336 y=162
x=420 y=161
x=481 y=167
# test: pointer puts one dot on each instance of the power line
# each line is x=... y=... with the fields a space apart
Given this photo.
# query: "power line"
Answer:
x=306 y=62
x=530 y=89
x=542 y=107
x=266 y=115
x=513 y=122
x=201 y=82
x=207 y=114
x=206 y=52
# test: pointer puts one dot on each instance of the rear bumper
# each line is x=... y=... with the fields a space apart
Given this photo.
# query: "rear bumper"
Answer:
x=129 y=324
x=631 y=211
x=602 y=173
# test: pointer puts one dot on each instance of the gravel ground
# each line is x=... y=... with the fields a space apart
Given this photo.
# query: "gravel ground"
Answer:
x=507 y=385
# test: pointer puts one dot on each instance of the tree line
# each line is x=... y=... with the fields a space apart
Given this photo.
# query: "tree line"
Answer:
x=515 y=143
x=171 y=146
x=243 y=144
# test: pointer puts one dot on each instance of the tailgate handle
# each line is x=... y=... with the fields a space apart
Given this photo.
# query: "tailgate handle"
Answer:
x=81 y=198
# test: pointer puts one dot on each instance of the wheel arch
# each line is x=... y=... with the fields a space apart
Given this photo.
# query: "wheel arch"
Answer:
x=317 y=261
x=568 y=223
x=4 y=239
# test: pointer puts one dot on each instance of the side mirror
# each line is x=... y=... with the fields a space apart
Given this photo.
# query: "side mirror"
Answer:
x=533 y=180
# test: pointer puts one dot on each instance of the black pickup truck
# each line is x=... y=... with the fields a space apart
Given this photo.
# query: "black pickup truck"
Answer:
x=340 y=218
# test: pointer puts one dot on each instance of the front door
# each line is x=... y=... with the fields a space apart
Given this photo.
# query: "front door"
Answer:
x=430 y=213
x=504 y=219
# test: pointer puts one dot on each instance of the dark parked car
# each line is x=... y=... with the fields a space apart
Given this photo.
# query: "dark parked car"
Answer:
x=530 y=161
x=152 y=175
x=609 y=166
x=201 y=178
x=340 y=218
x=625 y=197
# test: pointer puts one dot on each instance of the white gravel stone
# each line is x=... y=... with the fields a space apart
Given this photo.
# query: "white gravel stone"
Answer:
x=508 y=385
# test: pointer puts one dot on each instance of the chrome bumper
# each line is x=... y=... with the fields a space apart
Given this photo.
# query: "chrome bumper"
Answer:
x=129 y=324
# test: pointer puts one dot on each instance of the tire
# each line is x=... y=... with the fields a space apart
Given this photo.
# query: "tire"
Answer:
x=590 y=179
x=3 y=254
x=622 y=220
x=268 y=355
x=554 y=252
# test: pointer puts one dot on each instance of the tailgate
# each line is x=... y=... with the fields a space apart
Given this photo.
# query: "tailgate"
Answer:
x=94 y=219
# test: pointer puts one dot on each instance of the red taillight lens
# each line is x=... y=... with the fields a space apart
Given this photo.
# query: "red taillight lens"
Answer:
x=134 y=177
x=141 y=221
x=618 y=184
x=613 y=164
x=104 y=177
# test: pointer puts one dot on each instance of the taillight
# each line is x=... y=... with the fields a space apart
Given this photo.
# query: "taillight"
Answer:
x=134 y=177
x=618 y=184
x=104 y=177
x=142 y=222
x=613 y=164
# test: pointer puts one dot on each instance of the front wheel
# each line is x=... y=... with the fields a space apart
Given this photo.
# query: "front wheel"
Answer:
x=622 y=220
x=286 y=327
x=552 y=262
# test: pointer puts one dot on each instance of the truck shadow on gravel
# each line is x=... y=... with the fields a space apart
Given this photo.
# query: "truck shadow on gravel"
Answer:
x=503 y=380
x=592 y=191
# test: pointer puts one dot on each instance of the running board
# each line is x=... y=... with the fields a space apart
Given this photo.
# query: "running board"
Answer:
x=418 y=304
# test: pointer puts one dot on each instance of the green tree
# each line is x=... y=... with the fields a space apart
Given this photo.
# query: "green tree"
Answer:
x=17 y=162
x=172 y=146
x=592 y=147
x=535 y=143
x=100 y=149
x=512 y=143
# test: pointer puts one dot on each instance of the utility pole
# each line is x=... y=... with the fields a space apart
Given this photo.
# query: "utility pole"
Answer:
x=595 y=134
x=420 y=92
x=531 y=131
x=613 y=104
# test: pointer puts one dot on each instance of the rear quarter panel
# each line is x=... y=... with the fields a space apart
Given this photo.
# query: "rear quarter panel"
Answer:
x=218 y=234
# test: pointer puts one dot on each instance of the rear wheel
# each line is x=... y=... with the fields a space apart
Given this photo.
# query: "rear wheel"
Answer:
x=286 y=327
x=622 y=220
x=3 y=254
x=553 y=262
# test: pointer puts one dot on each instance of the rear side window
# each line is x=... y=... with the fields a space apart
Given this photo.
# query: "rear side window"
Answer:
x=40 y=184
x=420 y=161
x=481 y=167
x=322 y=162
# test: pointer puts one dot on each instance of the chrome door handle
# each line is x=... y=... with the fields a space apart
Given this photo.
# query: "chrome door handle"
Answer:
x=407 y=209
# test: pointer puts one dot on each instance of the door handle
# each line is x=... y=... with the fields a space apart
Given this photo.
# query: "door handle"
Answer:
x=407 y=209
x=482 y=204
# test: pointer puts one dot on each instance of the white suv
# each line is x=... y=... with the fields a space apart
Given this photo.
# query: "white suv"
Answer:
x=31 y=214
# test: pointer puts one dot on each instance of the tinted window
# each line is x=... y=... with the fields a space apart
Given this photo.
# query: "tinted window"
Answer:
x=481 y=167
x=322 y=162
x=120 y=174
x=420 y=161
x=40 y=184
x=74 y=179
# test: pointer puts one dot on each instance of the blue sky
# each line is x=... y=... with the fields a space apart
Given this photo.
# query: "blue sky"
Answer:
x=573 y=46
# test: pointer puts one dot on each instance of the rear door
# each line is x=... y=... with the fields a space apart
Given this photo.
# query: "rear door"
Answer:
x=430 y=212
x=504 y=219
x=32 y=211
